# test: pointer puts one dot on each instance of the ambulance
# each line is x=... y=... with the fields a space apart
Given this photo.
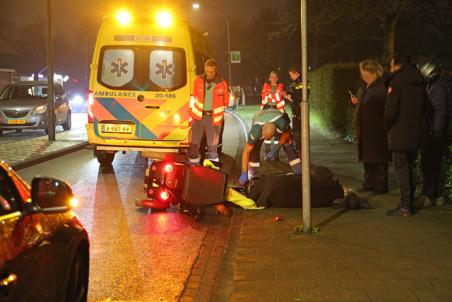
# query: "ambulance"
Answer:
x=141 y=84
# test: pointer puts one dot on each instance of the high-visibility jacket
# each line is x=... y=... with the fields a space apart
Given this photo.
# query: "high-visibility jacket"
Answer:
x=274 y=99
x=295 y=89
x=220 y=99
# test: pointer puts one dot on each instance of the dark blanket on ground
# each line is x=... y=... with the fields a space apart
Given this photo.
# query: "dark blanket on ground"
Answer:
x=284 y=191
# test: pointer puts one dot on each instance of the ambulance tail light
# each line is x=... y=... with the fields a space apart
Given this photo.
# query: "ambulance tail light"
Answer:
x=90 y=107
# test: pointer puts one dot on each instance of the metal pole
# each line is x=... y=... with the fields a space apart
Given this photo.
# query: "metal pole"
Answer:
x=305 y=130
x=229 y=52
x=50 y=89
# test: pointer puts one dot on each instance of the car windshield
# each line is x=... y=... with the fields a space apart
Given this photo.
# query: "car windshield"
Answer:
x=24 y=92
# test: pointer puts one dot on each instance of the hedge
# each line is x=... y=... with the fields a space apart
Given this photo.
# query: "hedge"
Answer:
x=331 y=109
x=329 y=97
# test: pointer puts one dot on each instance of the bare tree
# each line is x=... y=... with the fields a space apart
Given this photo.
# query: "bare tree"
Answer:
x=437 y=14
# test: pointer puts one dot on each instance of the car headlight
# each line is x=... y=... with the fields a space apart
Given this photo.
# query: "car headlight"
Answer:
x=40 y=109
x=77 y=99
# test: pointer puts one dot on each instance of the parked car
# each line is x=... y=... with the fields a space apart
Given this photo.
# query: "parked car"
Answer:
x=44 y=249
x=23 y=105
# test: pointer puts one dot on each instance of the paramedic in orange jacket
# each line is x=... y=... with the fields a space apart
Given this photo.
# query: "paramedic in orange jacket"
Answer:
x=272 y=98
x=211 y=97
x=272 y=93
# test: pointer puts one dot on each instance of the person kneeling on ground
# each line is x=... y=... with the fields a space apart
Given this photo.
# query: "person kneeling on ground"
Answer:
x=266 y=125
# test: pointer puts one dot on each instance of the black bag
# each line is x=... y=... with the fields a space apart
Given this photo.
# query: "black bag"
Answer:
x=284 y=191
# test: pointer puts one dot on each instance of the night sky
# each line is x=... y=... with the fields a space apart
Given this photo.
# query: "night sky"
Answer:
x=70 y=17
x=68 y=14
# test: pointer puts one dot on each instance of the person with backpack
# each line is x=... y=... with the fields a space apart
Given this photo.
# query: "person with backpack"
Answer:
x=436 y=126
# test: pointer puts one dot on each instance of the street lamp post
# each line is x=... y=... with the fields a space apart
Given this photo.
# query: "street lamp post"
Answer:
x=229 y=51
x=305 y=128
x=50 y=84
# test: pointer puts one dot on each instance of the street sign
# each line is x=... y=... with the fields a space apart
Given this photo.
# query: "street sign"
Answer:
x=236 y=57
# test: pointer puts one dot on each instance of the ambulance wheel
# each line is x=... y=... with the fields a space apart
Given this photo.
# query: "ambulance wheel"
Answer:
x=104 y=158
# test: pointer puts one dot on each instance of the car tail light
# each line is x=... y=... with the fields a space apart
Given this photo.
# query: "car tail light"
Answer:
x=164 y=195
x=168 y=168
x=90 y=107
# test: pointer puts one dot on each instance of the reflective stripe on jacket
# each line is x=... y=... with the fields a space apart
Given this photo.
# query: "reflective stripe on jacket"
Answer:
x=276 y=99
x=220 y=99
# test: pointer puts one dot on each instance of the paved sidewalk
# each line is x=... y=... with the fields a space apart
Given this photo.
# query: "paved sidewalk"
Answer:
x=20 y=153
x=357 y=255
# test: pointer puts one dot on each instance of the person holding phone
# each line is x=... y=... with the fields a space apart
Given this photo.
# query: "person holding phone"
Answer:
x=371 y=136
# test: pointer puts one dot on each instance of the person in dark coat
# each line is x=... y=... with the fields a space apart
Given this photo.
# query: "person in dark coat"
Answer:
x=403 y=120
x=371 y=136
x=294 y=95
x=436 y=126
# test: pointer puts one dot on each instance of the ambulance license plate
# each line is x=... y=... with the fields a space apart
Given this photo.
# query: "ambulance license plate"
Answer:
x=17 y=122
x=116 y=128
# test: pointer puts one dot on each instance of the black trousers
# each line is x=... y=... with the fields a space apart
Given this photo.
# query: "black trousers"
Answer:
x=296 y=132
x=405 y=169
x=433 y=166
x=376 y=177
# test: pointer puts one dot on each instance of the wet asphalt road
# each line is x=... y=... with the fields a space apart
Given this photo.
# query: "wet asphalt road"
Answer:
x=135 y=256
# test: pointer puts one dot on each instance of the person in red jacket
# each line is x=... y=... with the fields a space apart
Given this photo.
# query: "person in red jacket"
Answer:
x=272 y=98
x=210 y=98
x=272 y=93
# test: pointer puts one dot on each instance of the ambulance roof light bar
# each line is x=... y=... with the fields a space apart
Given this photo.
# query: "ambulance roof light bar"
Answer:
x=164 y=19
x=123 y=17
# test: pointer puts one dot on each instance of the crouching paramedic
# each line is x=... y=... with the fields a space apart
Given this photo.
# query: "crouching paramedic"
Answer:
x=211 y=96
x=266 y=125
